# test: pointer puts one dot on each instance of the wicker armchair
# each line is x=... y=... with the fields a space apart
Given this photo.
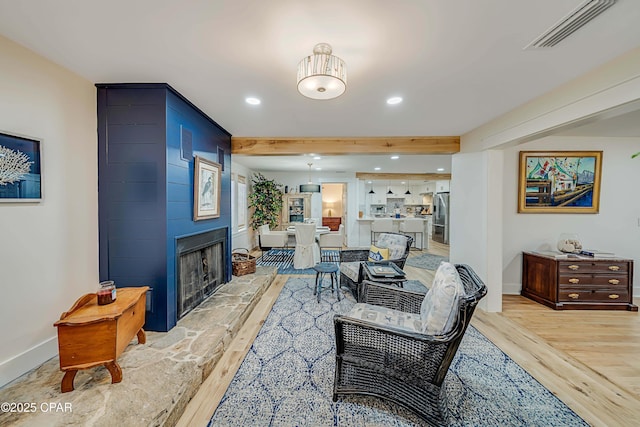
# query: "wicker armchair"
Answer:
x=353 y=255
x=407 y=368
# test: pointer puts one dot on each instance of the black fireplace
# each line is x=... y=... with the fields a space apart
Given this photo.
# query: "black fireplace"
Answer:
x=201 y=262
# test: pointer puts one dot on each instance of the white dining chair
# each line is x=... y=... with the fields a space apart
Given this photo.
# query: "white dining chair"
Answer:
x=307 y=252
x=333 y=239
x=268 y=239
x=414 y=226
x=381 y=225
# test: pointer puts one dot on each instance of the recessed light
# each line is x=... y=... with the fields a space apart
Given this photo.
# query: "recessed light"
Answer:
x=317 y=158
x=252 y=101
x=318 y=169
x=394 y=100
x=376 y=169
x=395 y=157
x=440 y=169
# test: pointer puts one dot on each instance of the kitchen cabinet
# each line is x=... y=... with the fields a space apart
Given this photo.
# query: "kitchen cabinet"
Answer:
x=413 y=199
x=378 y=199
x=429 y=187
x=442 y=186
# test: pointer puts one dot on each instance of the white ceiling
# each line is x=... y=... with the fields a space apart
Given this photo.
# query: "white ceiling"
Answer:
x=456 y=63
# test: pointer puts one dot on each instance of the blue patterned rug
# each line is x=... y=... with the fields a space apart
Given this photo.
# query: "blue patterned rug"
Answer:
x=286 y=378
x=426 y=261
x=283 y=259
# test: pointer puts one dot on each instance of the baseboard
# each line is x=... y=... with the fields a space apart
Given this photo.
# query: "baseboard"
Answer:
x=511 y=288
x=22 y=363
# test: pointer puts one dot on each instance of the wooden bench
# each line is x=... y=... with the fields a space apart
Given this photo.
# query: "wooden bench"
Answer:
x=90 y=334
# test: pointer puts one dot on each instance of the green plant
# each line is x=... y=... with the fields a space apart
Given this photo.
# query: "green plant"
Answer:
x=266 y=200
x=636 y=155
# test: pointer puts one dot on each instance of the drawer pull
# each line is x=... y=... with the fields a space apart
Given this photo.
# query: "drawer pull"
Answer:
x=614 y=281
x=614 y=296
x=574 y=267
x=574 y=280
x=614 y=268
x=575 y=296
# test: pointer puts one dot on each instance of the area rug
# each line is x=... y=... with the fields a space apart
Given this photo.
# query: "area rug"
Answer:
x=283 y=259
x=287 y=376
x=426 y=261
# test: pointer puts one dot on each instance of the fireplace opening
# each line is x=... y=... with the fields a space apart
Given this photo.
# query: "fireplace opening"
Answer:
x=201 y=268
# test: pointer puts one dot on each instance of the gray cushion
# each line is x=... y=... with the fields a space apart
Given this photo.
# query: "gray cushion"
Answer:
x=439 y=310
x=386 y=317
x=396 y=243
x=350 y=269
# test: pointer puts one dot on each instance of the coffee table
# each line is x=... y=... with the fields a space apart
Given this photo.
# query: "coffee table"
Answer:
x=384 y=272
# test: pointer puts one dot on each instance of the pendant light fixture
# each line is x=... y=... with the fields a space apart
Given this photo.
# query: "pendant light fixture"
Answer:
x=389 y=192
x=309 y=187
x=322 y=75
x=407 y=192
x=371 y=190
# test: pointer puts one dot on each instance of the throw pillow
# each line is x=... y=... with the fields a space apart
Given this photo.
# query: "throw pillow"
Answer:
x=439 y=309
x=378 y=254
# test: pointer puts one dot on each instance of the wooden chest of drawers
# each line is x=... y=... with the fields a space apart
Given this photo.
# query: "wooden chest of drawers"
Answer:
x=578 y=283
x=332 y=222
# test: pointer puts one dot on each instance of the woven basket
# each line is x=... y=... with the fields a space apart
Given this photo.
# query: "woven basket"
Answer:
x=242 y=263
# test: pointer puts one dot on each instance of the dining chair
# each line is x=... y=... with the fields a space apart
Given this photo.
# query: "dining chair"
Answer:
x=333 y=239
x=268 y=239
x=414 y=226
x=381 y=225
x=307 y=252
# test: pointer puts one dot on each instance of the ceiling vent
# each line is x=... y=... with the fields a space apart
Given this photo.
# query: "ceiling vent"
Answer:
x=575 y=20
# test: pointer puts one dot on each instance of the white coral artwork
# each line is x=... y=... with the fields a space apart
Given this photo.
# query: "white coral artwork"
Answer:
x=13 y=165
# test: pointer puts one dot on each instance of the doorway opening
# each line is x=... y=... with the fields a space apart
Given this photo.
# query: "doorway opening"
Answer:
x=334 y=205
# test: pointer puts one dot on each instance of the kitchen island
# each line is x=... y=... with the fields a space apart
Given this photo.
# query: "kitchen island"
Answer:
x=364 y=229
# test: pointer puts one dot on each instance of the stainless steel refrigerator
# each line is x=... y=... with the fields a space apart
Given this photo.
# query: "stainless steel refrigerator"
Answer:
x=441 y=218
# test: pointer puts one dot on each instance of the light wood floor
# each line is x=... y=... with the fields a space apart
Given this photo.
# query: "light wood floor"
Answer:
x=589 y=359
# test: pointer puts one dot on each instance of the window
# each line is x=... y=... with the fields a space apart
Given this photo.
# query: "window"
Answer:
x=242 y=203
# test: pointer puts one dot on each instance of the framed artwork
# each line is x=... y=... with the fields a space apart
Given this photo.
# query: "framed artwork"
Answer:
x=20 y=169
x=206 y=189
x=559 y=181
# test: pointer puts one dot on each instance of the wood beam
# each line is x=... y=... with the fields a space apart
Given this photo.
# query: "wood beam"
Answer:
x=335 y=146
x=403 y=176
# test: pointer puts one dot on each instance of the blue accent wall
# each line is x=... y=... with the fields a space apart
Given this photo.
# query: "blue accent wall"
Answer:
x=145 y=188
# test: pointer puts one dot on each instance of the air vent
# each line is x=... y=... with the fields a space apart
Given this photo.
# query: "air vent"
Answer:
x=575 y=20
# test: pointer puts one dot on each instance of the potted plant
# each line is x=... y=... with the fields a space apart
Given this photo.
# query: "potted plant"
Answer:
x=266 y=200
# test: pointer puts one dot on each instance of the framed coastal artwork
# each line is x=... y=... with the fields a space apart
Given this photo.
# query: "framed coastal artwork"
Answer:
x=20 y=169
x=206 y=189
x=559 y=181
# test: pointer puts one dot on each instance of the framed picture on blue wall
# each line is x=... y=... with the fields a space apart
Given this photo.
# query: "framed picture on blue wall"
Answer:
x=206 y=189
x=20 y=168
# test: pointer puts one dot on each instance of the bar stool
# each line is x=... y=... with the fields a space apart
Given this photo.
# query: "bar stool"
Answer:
x=382 y=225
x=413 y=226
x=323 y=268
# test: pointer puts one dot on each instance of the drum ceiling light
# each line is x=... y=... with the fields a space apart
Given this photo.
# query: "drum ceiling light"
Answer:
x=309 y=187
x=322 y=75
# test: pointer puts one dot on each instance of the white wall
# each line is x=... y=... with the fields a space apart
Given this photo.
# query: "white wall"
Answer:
x=615 y=228
x=610 y=88
x=48 y=250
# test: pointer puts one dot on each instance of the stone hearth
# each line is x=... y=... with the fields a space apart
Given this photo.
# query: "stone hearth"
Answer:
x=158 y=378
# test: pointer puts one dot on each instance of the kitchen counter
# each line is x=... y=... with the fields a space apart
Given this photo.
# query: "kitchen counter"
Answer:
x=364 y=229
x=371 y=218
